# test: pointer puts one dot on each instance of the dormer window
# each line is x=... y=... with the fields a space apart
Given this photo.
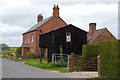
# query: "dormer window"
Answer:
x=68 y=37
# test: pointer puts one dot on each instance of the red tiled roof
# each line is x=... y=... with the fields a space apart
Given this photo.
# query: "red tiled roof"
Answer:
x=93 y=35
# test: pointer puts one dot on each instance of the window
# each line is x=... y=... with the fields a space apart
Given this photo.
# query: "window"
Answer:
x=68 y=37
x=25 y=39
x=31 y=49
x=28 y=38
x=32 y=38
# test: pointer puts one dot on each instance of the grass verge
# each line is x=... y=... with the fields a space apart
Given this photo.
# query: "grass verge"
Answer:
x=43 y=65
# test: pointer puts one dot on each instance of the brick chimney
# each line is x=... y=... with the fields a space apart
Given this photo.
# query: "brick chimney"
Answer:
x=92 y=27
x=39 y=17
x=56 y=11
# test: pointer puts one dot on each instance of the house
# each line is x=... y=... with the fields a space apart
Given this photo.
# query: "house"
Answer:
x=69 y=37
x=96 y=36
x=31 y=36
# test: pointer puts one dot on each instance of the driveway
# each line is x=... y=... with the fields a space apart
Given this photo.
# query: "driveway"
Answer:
x=13 y=69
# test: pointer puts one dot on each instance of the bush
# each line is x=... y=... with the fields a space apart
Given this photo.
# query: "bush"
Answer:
x=18 y=50
x=29 y=53
x=90 y=51
x=52 y=64
x=62 y=64
x=109 y=59
x=5 y=53
x=102 y=79
x=4 y=46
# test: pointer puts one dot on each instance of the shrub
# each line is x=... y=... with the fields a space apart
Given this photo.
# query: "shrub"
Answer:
x=109 y=59
x=4 y=46
x=18 y=50
x=29 y=53
x=61 y=52
x=5 y=53
x=51 y=64
x=62 y=64
x=90 y=51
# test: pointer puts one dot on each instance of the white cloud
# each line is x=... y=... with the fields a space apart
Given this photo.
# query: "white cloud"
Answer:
x=20 y=15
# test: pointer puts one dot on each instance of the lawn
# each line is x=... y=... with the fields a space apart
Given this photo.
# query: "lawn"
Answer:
x=43 y=65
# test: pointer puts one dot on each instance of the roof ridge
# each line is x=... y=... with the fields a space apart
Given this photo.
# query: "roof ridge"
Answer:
x=38 y=24
x=96 y=36
x=89 y=33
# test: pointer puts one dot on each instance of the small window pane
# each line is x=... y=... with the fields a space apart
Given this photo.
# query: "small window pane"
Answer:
x=25 y=39
x=28 y=38
x=31 y=49
x=32 y=37
x=68 y=37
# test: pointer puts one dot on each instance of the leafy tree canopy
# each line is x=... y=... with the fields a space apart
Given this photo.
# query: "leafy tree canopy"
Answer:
x=4 y=46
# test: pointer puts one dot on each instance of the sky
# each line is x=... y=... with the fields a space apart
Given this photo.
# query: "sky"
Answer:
x=17 y=16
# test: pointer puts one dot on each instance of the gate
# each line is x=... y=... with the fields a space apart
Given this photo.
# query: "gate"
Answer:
x=61 y=58
x=78 y=63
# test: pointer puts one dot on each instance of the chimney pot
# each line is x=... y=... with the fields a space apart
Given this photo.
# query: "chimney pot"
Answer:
x=92 y=27
x=56 y=11
x=39 y=17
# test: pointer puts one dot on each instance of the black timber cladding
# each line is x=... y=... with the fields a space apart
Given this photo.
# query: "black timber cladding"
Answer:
x=53 y=39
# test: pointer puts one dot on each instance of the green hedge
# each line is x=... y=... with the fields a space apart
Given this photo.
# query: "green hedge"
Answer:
x=102 y=79
x=109 y=59
x=90 y=51
x=18 y=50
x=29 y=53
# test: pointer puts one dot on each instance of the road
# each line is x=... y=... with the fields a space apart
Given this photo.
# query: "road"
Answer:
x=13 y=69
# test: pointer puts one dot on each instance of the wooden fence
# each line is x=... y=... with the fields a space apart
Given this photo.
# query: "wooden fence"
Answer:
x=78 y=63
x=11 y=57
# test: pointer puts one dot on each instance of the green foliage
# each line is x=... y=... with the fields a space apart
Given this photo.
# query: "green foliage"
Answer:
x=5 y=53
x=109 y=59
x=90 y=51
x=4 y=46
x=43 y=65
x=61 y=51
x=18 y=50
x=29 y=53
x=102 y=79
x=62 y=64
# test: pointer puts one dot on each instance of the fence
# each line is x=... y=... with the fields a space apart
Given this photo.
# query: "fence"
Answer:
x=11 y=57
x=61 y=58
x=78 y=63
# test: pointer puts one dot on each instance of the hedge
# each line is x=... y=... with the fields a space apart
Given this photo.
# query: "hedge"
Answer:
x=90 y=51
x=102 y=79
x=109 y=59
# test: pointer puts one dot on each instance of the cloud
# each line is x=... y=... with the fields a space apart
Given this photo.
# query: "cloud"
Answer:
x=20 y=15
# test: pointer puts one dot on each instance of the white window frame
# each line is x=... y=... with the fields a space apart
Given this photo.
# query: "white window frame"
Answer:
x=68 y=37
x=28 y=38
x=25 y=39
x=32 y=37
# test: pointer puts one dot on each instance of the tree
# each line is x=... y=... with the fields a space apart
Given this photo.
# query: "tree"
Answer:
x=4 y=46
x=18 y=50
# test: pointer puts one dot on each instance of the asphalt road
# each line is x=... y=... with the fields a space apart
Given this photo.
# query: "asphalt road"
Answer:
x=13 y=69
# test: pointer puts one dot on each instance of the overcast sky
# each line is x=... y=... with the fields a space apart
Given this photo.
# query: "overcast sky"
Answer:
x=20 y=15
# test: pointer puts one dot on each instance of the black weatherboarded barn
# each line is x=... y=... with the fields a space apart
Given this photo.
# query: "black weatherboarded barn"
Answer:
x=69 y=37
